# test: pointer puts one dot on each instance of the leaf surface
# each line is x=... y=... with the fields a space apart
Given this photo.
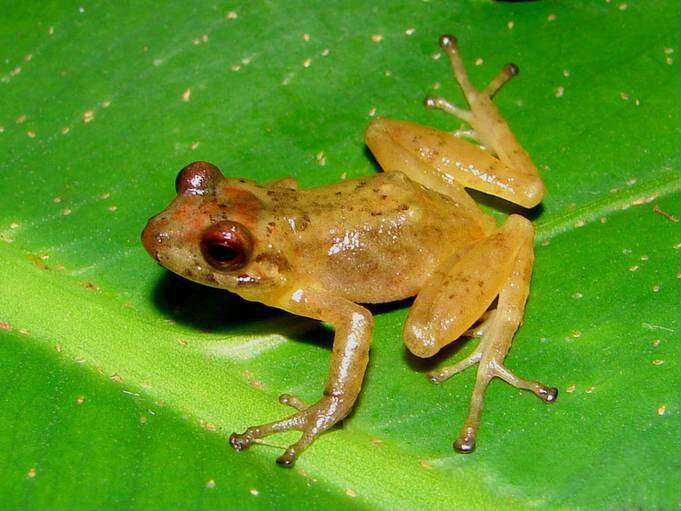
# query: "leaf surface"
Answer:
x=120 y=383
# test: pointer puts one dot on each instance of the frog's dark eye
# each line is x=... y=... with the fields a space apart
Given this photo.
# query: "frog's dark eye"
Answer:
x=197 y=178
x=227 y=246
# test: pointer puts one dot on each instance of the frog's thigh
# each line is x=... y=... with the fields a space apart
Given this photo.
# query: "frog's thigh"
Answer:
x=463 y=287
x=436 y=159
x=393 y=156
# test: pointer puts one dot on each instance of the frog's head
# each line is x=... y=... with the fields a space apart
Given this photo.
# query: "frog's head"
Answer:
x=209 y=232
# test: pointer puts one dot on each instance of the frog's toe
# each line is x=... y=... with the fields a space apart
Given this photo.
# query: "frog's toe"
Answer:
x=548 y=394
x=447 y=41
x=289 y=457
x=240 y=441
x=287 y=460
x=444 y=373
x=440 y=103
x=465 y=444
x=292 y=401
x=543 y=392
x=435 y=377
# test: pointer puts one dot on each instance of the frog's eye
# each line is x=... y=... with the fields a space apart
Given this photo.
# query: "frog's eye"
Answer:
x=197 y=178
x=226 y=246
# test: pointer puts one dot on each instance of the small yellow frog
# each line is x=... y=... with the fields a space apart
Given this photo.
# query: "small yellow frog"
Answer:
x=411 y=230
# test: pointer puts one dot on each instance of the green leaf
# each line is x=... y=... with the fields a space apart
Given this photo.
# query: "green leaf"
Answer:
x=121 y=383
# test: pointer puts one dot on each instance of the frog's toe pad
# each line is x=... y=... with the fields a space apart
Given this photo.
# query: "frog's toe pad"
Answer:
x=465 y=444
x=551 y=395
x=288 y=459
x=240 y=441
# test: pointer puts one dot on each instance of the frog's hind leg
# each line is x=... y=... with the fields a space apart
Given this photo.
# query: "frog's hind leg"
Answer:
x=462 y=290
x=490 y=127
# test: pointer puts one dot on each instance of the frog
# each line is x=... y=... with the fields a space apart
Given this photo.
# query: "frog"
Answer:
x=410 y=231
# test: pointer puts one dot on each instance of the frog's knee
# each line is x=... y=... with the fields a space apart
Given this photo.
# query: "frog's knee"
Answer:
x=533 y=193
x=377 y=129
x=420 y=339
x=520 y=225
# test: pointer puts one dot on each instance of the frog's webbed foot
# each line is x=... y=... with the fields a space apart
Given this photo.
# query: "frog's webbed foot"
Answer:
x=310 y=420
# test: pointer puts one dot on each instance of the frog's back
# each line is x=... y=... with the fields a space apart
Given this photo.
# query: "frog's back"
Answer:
x=377 y=239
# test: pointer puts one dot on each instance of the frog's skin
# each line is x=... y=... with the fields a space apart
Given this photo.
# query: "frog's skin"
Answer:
x=409 y=231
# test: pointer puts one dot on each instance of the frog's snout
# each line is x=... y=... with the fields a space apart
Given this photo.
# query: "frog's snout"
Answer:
x=152 y=238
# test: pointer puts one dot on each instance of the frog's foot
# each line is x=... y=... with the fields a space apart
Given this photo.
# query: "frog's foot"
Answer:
x=448 y=43
x=496 y=368
x=310 y=420
x=488 y=369
x=490 y=358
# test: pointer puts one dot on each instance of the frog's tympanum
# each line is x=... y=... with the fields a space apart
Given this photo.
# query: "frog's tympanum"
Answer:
x=411 y=230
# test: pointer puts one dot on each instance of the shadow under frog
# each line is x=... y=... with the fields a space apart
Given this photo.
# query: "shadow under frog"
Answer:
x=211 y=310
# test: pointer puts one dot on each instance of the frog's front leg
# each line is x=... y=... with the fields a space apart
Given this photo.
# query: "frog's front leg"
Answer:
x=458 y=293
x=353 y=325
